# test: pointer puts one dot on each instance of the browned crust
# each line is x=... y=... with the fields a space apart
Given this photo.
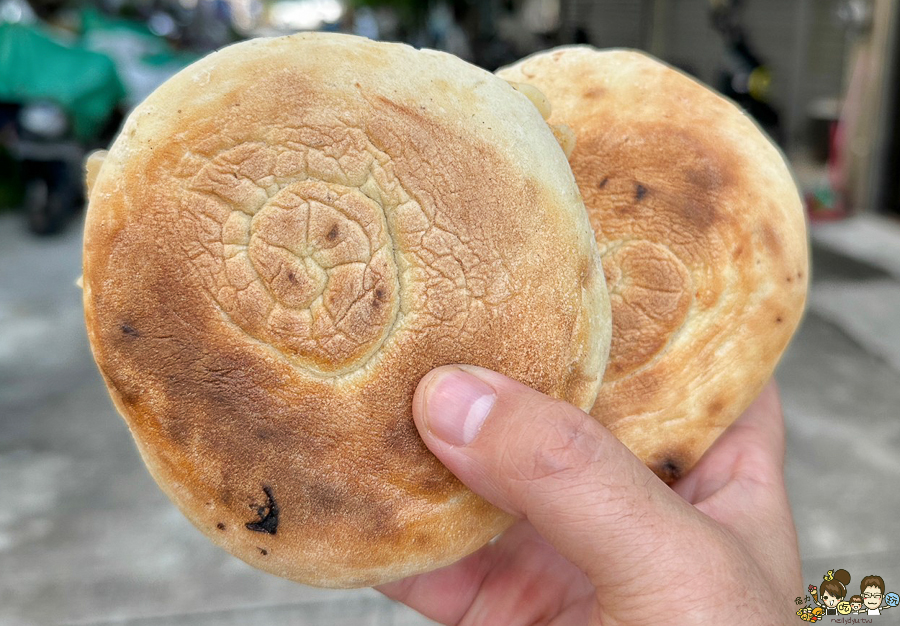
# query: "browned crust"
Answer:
x=272 y=264
x=703 y=238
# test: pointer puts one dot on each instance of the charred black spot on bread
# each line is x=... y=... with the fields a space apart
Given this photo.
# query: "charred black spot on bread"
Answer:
x=220 y=526
x=129 y=330
x=603 y=182
x=268 y=515
x=778 y=320
x=669 y=470
x=332 y=233
x=263 y=551
x=639 y=192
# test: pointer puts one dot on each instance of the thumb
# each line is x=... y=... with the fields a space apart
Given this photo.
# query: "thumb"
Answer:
x=547 y=461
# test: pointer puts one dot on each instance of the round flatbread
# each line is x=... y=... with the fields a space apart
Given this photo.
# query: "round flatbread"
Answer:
x=703 y=238
x=284 y=238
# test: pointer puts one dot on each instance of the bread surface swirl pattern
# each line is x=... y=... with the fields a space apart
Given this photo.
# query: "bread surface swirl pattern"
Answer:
x=308 y=259
x=272 y=264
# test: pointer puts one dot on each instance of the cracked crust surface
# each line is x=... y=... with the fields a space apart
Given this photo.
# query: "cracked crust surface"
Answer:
x=282 y=241
x=703 y=238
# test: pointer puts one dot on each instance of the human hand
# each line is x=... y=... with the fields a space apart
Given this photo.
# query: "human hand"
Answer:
x=601 y=539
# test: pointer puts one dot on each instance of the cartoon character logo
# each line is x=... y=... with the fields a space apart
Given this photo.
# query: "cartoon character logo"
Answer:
x=833 y=590
x=872 y=589
x=872 y=599
x=809 y=614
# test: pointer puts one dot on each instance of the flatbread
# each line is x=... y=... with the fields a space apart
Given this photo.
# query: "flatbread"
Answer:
x=284 y=238
x=704 y=244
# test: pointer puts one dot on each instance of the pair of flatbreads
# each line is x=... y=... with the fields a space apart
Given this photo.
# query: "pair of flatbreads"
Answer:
x=286 y=236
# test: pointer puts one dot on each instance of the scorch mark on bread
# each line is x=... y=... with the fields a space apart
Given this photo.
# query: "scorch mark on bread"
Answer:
x=268 y=515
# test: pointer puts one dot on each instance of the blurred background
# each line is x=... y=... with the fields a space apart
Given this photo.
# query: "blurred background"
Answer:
x=85 y=535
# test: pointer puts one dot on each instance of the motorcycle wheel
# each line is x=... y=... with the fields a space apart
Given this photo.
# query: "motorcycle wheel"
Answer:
x=48 y=204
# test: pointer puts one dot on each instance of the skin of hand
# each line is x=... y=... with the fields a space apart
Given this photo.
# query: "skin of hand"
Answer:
x=601 y=539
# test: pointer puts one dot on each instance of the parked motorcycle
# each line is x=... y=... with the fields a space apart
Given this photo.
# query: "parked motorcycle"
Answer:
x=58 y=101
x=49 y=162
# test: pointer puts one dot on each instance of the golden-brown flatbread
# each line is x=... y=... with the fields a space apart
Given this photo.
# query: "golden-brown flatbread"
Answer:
x=282 y=241
x=703 y=238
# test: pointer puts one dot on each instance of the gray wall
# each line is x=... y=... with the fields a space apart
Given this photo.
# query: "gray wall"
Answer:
x=800 y=40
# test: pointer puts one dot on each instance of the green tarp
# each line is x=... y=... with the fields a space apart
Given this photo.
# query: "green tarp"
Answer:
x=33 y=66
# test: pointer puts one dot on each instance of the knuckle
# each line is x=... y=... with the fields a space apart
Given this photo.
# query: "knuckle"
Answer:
x=556 y=443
